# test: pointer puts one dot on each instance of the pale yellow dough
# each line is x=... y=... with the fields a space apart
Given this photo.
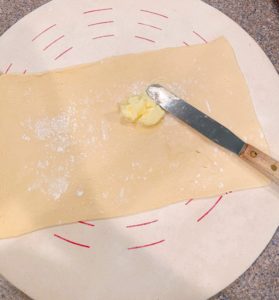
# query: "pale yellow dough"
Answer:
x=66 y=156
x=140 y=108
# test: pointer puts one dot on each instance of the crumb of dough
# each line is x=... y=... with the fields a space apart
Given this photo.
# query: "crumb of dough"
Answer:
x=141 y=109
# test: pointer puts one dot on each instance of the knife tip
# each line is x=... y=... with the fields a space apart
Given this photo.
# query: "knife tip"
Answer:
x=160 y=95
x=153 y=92
x=151 y=89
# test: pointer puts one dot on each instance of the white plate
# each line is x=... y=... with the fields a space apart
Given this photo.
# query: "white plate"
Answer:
x=193 y=260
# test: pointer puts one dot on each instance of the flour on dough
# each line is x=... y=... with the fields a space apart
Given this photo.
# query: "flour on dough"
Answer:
x=67 y=156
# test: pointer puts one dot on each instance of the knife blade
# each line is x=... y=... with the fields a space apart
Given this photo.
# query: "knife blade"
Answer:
x=213 y=130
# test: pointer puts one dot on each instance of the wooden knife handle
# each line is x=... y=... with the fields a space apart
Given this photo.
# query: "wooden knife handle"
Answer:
x=261 y=161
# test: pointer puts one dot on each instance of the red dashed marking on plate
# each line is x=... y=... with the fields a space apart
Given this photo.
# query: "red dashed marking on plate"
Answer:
x=86 y=223
x=42 y=32
x=146 y=245
x=142 y=224
x=102 y=36
x=71 y=242
x=8 y=69
x=201 y=37
x=100 y=23
x=154 y=13
x=63 y=53
x=53 y=42
x=144 y=38
x=149 y=25
x=189 y=201
x=211 y=208
x=96 y=10
x=25 y=71
x=186 y=44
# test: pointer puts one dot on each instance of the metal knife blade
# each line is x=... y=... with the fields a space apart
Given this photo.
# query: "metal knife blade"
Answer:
x=196 y=119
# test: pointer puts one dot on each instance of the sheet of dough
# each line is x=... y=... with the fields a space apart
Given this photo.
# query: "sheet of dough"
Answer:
x=66 y=156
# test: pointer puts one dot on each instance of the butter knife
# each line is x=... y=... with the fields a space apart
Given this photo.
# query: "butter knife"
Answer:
x=214 y=131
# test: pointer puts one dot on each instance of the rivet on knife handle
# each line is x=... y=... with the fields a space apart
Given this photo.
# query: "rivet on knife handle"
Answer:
x=261 y=161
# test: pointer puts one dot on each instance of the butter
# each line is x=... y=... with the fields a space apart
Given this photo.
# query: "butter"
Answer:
x=141 y=109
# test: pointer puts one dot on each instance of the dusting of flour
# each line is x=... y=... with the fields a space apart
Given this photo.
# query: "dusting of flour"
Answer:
x=57 y=187
x=57 y=136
